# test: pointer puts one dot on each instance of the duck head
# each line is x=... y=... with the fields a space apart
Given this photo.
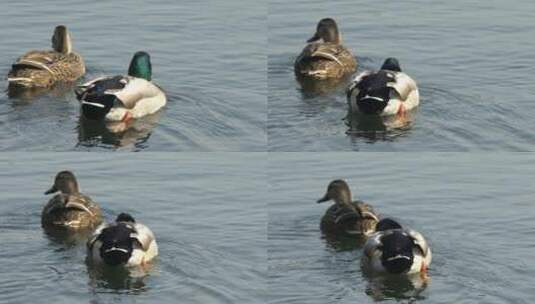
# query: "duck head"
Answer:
x=326 y=31
x=140 y=66
x=337 y=191
x=397 y=247
x=391 y=64
x=117 y=241
x=65 y=182
x=61 y=40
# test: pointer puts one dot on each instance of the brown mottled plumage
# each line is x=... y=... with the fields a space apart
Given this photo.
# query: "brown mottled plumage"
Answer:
x=69 y=208
x=325 y=56
x=346 y=216
x=43 y=69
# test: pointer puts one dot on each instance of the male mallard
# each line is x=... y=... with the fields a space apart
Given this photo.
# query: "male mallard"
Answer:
x=121 y=98
x=43 y=69
x=69 y=208
x=395 y=250
x=124 y=242
x=346 y=216
x=388 y=91
x=325 y=56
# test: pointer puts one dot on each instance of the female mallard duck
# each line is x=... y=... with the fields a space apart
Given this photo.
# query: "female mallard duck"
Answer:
x=121 y=98
x=388 y=91
x=69 y=208
x=346 y=216
x=325 y=56
x=395 y=250
x=124 y=242
x=43 y=69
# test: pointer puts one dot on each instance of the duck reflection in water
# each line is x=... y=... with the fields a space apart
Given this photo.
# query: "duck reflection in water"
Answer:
x=68 y=237
x=116 y=134
x=376 y=128
x=313 y=87
x=342 y=243
x=407 y=287
x=26 y=94
x=118 y=278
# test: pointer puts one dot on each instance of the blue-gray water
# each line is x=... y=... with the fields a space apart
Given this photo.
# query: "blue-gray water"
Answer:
x=206 y=210
x=209 y=57
x=473 y=62
x=475 y=210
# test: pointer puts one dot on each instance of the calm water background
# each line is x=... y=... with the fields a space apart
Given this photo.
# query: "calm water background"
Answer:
x=206 y=211
x=473 y=62
x=209 y=56
x=476 y=211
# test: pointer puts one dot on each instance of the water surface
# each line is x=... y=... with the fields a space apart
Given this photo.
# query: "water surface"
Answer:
x=471 y=60
x=475 y=210
x=208 y=56
x=205 y=211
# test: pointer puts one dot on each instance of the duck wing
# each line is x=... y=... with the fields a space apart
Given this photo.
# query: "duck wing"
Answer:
x=372 y=244
x=66 y=66
x=342 y=215
x=42 y=60
x=419 y=240
x=366 y=211
x=143 y=235
x=353 y=88
x=339 y=214
x=136 y=89
x=100 y=87
x=126 y=89
x=91 y=241
x=403 y=84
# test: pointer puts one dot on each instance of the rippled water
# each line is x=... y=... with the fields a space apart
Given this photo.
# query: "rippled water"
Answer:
x=205 y=211
x=472 y=61
x=208 y=56
x=475 y=210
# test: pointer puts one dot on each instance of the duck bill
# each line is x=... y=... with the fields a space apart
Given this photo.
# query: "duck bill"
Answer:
x=314 y=38
x=53 y=189
x=323 y=199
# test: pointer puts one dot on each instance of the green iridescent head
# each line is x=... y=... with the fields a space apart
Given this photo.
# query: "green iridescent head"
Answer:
x=140 y=66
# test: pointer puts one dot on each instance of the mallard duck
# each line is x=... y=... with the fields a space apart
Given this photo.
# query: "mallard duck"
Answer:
x=324 y=56
x=125 y=243
x=121 y=98
x=69 y=208
x=43 y=69
x=396 y=250
x=388 y=91
x=346 y=216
